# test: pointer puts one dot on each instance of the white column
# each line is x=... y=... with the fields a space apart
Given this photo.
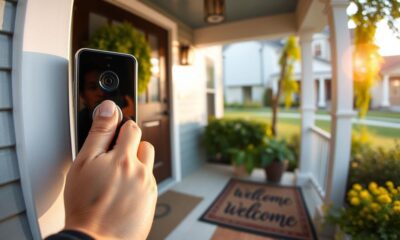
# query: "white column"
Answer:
x=385 y=91
x=342 y=102
x=307 y=106
x=321 y=93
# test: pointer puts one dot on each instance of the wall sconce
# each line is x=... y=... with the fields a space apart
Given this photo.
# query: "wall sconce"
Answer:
x=214 y=11
x=185 y=55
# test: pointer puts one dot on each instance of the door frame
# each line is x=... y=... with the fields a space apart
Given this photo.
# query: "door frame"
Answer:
x=151 y=15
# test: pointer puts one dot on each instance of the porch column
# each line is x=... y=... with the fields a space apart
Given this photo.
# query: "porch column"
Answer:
x=307 y=106
x=342 y=102
x=321 y=93
x=385 y=91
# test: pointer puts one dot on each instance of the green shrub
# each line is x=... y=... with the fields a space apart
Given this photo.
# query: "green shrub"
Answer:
x=293 y=144
x=375 y=165
x=267 y=97
x=223 y=134
x=251 y=104
x=370 y=164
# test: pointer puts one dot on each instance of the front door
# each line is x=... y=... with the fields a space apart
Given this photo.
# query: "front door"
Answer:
x=153 y=104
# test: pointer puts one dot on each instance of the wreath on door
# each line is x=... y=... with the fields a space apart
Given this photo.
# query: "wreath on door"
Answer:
x=124 y=38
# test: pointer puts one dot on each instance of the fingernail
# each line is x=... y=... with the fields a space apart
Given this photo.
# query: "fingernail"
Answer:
x=106 y=109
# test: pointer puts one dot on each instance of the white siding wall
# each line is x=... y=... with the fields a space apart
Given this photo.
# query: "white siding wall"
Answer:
x=191 y=84
x=13 y=221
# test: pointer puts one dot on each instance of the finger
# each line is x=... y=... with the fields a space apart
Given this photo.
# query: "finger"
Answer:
x=102 y=131
x=146 y=154
x=129 y=138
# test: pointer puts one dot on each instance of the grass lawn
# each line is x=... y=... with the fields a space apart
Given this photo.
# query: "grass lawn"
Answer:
x=380 y=136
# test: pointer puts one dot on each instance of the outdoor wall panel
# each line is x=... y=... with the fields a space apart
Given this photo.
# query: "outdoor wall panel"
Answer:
x=11 y=200
x=6 y=129
x=13 y=219
x=5 y=51
x=5 y=90
x=15 y=228
x=7 y=16
x=8 y=166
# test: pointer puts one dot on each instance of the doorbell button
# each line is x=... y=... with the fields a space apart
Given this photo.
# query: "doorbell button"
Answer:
x=120 y=115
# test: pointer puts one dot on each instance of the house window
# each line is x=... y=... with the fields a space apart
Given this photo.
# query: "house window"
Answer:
x=210 y=73
x=317 y=50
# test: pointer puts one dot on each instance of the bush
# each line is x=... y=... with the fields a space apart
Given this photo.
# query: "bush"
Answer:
x=267 y=97
x=373 y=212
x=124 y=38
x=223 y=134
x=377 y=165
x=250 y=104
x=294 y=145
x=373 y=164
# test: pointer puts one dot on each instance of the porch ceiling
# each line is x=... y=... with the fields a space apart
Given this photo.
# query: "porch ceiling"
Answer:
x=245 y=20
x=191 y=12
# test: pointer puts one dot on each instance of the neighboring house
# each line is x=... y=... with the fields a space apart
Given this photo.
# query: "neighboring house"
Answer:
x=246 y=80
x=38 y=40
x=386 y=93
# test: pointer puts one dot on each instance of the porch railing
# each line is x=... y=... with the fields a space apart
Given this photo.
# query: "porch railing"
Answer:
x=319 y=159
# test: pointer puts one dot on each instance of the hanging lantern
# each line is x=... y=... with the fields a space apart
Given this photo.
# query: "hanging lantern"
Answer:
x=214 y=11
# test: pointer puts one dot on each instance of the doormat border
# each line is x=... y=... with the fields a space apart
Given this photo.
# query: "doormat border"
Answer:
x=232 y=180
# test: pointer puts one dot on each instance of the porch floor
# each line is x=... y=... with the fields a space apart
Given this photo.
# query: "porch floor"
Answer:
x=207 y=182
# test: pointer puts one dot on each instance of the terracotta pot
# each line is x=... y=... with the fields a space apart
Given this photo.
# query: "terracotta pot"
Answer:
x=275 y=170
x=240 y=171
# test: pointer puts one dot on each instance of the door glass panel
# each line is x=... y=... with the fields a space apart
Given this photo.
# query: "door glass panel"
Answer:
x=154 y=85
x=95 y=22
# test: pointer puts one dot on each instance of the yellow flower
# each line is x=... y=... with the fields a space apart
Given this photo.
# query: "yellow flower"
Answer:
x=383 y=190
x=364 y=194
x=357 y=187
x=389 y=184
x=394 y=191
x=396 y=203
x=384 y=199
x=355 y=201
x=396 y=209
x=375 y=207
x=372 y=186
x=352 y=193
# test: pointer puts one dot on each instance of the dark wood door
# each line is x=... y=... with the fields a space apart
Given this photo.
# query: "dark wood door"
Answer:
x=153 y=104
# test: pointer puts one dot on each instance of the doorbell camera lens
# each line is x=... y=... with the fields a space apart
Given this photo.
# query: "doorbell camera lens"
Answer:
x=109 y=81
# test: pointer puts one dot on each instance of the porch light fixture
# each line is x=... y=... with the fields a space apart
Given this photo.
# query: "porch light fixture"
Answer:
x=185 y=55
x=214 y=11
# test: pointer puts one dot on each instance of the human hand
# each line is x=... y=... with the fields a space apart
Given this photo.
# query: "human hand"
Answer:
x=111 y=194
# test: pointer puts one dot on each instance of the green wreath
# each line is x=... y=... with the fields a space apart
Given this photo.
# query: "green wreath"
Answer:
x=125 y=38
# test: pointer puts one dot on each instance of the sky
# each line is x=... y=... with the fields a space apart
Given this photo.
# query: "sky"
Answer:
x=388 y=44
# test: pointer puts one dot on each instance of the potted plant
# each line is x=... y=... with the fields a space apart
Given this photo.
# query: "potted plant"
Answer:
x=221 y=136
x=243 y=160
x=372 y=212
x=274 y=158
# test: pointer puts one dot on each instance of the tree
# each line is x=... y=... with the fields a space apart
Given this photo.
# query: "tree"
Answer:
x=287 y=85
x=367 y=60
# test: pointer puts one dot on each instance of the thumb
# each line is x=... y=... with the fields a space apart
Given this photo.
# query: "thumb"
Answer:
x=102 y=131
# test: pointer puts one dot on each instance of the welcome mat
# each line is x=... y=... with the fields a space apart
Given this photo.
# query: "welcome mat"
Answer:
x=263 y=209
x=172 y=207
